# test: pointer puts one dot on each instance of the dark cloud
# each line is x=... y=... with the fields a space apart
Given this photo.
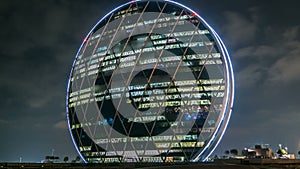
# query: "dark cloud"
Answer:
x=266 y=66
x=39 y=40
x=242 y=30
x=61 y=125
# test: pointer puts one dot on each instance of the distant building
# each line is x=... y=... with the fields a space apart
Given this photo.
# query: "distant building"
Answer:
x=151 y=82
x=259 y=151
x=283 y=153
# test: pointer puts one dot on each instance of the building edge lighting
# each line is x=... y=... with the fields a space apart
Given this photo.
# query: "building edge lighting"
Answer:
x=220 y=130
x=71 y=72
x=228 y=110
x=230 y=79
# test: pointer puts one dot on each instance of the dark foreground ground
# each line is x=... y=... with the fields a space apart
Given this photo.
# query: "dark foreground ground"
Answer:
x=219 y=164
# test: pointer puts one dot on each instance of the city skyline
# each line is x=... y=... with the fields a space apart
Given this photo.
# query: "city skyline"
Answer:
x=39 y=41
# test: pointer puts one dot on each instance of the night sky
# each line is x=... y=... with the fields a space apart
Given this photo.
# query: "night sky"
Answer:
x=39 y=40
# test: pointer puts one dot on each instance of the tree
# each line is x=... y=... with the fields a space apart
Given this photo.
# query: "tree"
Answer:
x=234 y=151
x=77 y=159
x=66 y=159
x=216 y=156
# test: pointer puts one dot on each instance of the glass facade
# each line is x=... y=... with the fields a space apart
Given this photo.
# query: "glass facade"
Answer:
x=151 y=82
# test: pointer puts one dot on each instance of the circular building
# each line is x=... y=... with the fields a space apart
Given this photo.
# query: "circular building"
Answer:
x=151 y=82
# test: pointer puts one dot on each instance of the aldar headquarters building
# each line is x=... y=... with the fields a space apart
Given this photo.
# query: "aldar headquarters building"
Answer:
x=151 y=82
